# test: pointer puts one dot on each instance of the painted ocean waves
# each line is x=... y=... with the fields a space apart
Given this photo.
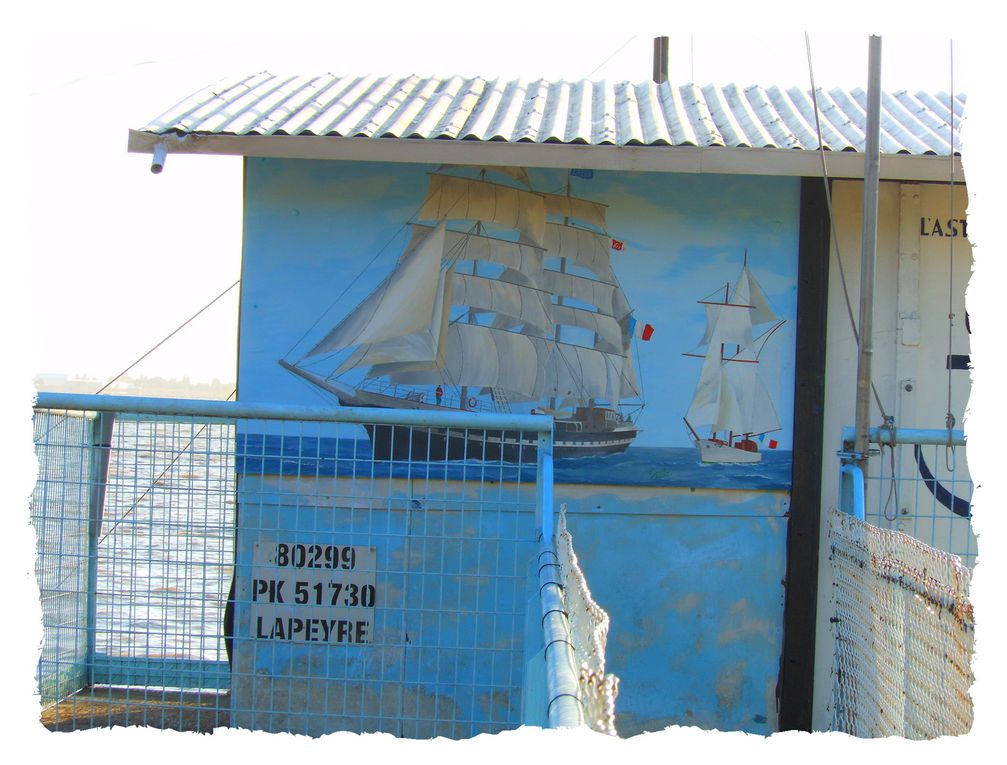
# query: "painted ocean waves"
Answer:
x=310 y=457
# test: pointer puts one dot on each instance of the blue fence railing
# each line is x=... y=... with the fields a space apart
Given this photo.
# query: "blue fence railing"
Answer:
x=917 y=482
x=302 y=569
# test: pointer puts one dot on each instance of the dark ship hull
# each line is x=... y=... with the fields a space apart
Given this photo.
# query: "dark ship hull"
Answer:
x=571 y=437
x=590 y=432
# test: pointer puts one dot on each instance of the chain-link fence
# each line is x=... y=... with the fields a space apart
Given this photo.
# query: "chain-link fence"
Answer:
x=589 y=634
x=903 y=628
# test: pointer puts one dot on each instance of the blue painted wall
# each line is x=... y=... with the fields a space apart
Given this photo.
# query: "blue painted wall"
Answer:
x=688 y=559
x=445 y=655
x=693 y=584
x=321 y=236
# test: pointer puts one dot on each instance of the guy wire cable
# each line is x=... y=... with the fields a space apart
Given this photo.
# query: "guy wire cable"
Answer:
x=949 y=418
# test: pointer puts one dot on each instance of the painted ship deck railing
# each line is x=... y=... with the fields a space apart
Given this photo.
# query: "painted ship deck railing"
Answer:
x=172 y=593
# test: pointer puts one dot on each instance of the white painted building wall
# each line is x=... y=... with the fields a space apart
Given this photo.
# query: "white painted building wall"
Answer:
x=922 y=263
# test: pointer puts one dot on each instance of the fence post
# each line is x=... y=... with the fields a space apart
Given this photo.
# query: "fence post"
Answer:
x=101 y=448
x=543 y=504
x=851 y=491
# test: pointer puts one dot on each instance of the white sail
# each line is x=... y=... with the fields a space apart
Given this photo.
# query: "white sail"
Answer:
x=758 y=415
x=748 y=291
x=573 y=207
x=605 y=327
x=425 y=345
x=454 y=198
x=481 y=356
x=583 y=373
x=461 y=245
x=630 y=387
x=520 y=304
x=714 y=403
x=403 y=304
x=730 y=396
x=519 y=174
x=726 y=323
x=581 y=246
x=608 y=298
x=506 y=339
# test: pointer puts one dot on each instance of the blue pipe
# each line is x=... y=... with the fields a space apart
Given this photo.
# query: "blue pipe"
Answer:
x=857 y=477
x=535 y=423
x=888 y=436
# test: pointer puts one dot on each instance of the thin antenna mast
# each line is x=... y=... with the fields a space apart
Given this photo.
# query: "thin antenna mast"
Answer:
x=869 y=246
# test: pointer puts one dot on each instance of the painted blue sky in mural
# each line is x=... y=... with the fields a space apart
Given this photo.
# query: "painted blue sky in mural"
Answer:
x=321 y=236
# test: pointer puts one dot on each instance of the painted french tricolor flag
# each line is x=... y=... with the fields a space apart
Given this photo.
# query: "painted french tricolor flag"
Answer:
x=640 y=330
x=617 y=245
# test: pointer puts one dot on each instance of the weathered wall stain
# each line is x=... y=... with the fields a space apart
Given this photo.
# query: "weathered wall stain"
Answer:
x=730 y=684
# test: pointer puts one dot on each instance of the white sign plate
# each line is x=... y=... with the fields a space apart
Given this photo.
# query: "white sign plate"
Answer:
x=313 y=593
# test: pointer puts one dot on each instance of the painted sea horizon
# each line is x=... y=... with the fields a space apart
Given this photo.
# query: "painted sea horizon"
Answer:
x=309 y=457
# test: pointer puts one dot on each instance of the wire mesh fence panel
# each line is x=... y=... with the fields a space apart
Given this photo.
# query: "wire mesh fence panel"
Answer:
x=281 y=574
x=394 y=587
x=156 y=577
x=60 y=515
x=903 y=628
x=924 y=490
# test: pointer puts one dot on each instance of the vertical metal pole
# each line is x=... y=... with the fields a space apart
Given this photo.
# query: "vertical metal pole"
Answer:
x=869 y=245
x=660 y=59
x=101 y=448
x=543 y=504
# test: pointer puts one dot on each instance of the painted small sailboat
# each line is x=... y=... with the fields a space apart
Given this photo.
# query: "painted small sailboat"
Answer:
x=731 y=398
x=503 y=296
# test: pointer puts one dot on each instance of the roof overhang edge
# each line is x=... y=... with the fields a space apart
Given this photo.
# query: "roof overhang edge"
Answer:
x=669 y=159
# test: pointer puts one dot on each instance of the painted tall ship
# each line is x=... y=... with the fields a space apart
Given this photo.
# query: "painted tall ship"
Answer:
x=731 y=399
x=504 y=299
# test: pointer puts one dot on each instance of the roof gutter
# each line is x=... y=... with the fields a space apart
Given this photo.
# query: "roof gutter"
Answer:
x=661 y=159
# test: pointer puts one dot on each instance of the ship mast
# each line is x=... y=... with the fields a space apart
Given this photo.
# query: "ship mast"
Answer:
x=559 y=298
x=464 y=393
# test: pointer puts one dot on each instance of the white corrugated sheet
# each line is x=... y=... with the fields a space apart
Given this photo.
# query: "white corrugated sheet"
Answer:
x=582 y=112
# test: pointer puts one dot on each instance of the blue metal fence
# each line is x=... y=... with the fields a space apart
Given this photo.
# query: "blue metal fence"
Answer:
x=283 y=568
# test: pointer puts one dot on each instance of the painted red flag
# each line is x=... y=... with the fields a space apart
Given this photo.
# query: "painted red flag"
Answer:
x=648 y=331
x=617 y=245
x=773 y=444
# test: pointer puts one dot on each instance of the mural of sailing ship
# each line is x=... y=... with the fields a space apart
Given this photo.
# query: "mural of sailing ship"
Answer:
x=731 y=398
x=504 y=299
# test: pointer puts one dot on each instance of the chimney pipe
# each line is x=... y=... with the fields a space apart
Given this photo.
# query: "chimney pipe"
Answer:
x=660 y=59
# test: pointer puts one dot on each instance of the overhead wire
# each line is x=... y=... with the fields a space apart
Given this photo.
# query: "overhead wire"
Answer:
x=178 y=329
x=197 y=434
x=613 y=55
x=949 y=418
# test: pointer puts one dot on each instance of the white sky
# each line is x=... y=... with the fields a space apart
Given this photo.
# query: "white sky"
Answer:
x=105 y=258
x=160 y=247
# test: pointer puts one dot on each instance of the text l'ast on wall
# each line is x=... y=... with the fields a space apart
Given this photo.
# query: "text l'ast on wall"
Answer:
x=949 y=227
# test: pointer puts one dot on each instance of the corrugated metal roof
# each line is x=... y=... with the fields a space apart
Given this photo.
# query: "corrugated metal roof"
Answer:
x=582 y=112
